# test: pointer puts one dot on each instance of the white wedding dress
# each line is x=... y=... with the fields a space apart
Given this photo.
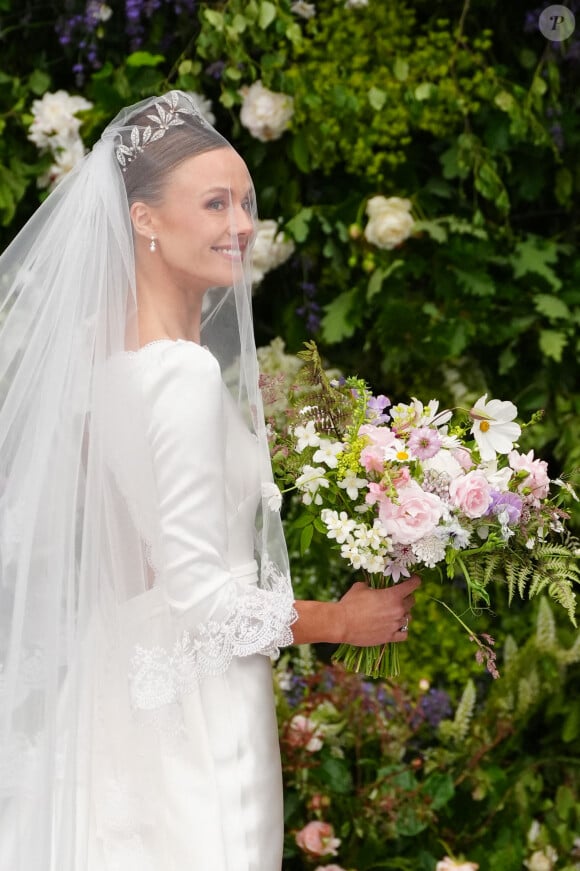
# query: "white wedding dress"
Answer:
x=190 y=776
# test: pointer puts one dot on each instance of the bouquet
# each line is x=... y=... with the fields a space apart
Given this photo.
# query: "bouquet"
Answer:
x=400 y=489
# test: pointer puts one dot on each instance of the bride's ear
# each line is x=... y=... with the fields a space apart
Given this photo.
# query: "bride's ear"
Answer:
x=142 y=219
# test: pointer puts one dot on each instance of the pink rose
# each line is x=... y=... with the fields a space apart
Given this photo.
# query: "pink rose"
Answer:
x=317 y=839
x=537 y=480
x=415 y=516
x=471 y=493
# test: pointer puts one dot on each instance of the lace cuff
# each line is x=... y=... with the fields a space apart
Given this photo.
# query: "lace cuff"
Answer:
x=258 y=622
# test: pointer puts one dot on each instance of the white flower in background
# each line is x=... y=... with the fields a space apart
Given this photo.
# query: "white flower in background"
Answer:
x=55 y=129
x=271 y=248
x=493 y=427
x=542 y=860
x=309 y=482
x=265 y=113
x=54 y=115
x=104 y=12
x=390 y=221
x=304 y=10
x=448 y=864
x=356 y=4
x=204 y=106
x=328 y=452
x=271 y=493
x=65 y=159
x=306 y=436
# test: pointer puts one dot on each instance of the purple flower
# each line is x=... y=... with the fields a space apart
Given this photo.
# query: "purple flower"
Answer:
x=424 y=443
x=375 y=407
x=435 y=706
x=510 y=503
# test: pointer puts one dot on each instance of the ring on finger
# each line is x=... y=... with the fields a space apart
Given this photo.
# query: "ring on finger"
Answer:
x=405 y=626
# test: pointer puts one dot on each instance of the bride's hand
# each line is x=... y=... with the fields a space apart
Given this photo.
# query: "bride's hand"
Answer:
x=377 y=616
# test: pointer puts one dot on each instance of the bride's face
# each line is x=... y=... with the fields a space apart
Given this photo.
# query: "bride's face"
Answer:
x=204 y=224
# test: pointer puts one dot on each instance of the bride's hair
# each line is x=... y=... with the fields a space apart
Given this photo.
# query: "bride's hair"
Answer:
x=146 y=173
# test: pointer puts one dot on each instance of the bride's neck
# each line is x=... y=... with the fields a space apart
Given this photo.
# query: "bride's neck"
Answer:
x=165 y=310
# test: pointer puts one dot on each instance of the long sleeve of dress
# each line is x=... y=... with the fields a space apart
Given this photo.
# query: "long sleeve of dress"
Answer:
x=206 y=472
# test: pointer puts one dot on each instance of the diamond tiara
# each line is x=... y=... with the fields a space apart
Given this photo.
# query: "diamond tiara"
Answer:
x=166 y=117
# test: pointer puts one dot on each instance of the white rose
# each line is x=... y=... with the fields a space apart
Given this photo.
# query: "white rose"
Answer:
x=204 y=106
x=266 y=114
x=270 y=249
x=356 y=4
x=55 y=114
x=65 y=159
x=390 y=221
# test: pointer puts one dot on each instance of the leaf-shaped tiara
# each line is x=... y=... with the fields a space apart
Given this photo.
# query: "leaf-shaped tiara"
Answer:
x=166 y=117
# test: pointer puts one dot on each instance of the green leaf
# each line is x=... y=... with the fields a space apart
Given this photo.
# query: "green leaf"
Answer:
x=336 y=775
x=441 y=789
x=267 y=14
x=377 y=98
x=216 y=19
x=432 y=228
x=306 y=538
x=335 y=324
x=423 y=91
x=551 y=306
x=239 y=23
x=552 y=344
x=378 y=277
x=478 y=283
x=39 y=82
x=401 y=69
x=299 y=149
x=299 y=225
x=144 y=59
x=534 y=255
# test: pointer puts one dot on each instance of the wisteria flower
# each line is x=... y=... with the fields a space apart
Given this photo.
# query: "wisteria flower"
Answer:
x=494 y=427
x=424 y=443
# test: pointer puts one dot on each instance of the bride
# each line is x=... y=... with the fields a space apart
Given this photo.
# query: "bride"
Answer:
x=144 y=583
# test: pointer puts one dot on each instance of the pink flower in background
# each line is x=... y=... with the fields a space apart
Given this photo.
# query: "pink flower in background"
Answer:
x=471 y=493
x=537 y=481
x=303 y=732
x=317 y=839
x=415 y=516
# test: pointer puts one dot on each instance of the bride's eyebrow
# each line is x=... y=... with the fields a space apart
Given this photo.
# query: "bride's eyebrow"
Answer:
x=225 y=190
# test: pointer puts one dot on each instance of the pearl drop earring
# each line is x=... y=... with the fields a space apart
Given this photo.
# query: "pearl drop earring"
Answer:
x=152 y=245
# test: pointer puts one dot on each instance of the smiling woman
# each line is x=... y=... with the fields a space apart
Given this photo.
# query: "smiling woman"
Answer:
x=145 y=581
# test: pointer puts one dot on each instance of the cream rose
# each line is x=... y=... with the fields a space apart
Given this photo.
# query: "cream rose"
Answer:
x=271 y=248
x=265 y=113
x=390 y=221
x=471 y=493
x=317 y=839
x=54 y=115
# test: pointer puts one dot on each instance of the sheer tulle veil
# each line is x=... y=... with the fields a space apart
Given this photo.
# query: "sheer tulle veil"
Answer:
x=77 y=553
